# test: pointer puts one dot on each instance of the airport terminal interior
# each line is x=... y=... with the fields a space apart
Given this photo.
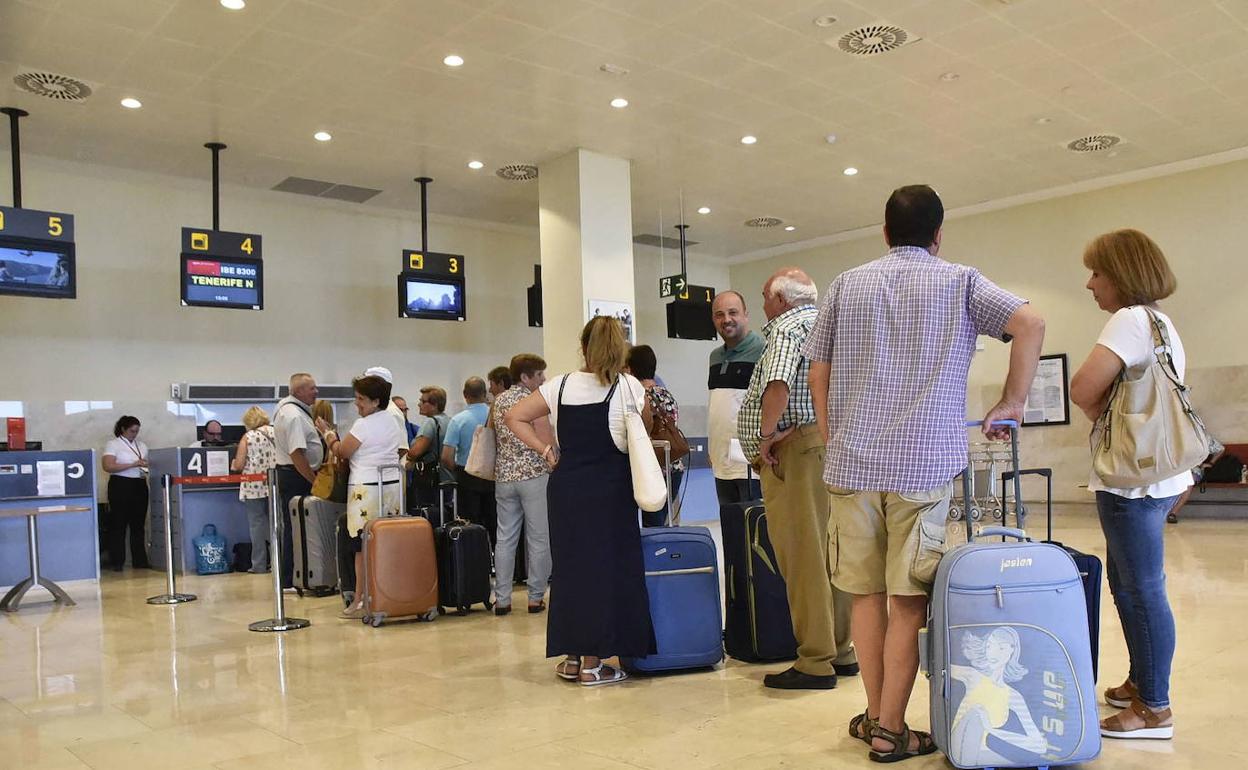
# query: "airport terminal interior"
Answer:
x=202 y=198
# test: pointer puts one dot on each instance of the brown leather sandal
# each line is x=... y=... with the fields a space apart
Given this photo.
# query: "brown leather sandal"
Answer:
x=861 y=727
x=901 y=745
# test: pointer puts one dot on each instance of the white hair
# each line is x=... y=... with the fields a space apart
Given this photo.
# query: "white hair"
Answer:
x=793 y=291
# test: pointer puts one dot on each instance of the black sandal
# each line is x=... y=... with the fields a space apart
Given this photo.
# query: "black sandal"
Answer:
x=861 y=727
x=901 y=745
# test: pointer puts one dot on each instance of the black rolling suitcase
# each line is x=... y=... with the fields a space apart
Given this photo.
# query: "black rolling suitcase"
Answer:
x=1089 y=565
x=758 y=626
x=464 y=561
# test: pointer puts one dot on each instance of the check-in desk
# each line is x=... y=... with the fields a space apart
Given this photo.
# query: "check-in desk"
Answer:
x=47 y=502
x=193 y=505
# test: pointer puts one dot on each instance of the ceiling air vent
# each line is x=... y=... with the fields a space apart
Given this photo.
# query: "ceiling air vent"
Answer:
x=1093 y=143
x=319 y=189
x=518 y=172
x=52 y=86
x=764 y=222
x=661 y=241
x=873 y=40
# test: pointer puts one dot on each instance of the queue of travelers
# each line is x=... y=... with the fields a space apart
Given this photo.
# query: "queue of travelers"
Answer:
x=845 y=416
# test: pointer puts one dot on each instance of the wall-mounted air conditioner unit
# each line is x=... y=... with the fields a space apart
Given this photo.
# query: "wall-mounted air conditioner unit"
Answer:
x=193 y=393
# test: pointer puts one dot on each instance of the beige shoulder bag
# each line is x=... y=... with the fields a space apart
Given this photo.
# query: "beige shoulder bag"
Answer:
x=1149 y=431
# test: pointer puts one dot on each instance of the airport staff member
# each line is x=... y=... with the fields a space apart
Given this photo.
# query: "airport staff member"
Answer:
x=299 y=454
x=731 y=366
x=780 y=436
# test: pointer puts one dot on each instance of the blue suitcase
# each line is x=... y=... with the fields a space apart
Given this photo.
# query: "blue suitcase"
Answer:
x=1007 y=652
x=682 y=578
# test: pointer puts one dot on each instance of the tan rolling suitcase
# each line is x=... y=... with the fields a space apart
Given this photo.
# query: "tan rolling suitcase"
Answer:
x=400 y=569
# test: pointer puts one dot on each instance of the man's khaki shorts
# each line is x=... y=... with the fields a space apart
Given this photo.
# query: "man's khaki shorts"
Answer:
x=887 y=542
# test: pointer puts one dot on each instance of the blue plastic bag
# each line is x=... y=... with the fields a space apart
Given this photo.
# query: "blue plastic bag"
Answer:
x=210 y=552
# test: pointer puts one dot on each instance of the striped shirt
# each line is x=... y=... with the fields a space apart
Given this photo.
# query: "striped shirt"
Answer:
x=782 y=361
x=899 y=333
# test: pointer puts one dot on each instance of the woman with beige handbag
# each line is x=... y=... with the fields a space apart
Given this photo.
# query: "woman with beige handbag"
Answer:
x=1143 y=444
x=599 y=606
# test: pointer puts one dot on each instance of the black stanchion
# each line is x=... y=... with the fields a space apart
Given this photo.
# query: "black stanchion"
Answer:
x=171 y=596
x=279 y=621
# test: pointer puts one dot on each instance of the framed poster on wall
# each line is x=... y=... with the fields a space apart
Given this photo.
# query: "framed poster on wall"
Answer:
x=621 y=311
x=1048 y=402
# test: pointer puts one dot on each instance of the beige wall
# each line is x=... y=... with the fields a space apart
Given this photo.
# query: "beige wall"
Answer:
x=1035 y=250
x=330 y=304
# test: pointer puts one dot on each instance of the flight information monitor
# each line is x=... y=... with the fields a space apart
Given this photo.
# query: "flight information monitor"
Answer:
x=37 y=254
x=222 y=269
x=433 y=297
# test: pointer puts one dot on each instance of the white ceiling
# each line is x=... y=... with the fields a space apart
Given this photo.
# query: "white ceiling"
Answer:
x=1169 y=76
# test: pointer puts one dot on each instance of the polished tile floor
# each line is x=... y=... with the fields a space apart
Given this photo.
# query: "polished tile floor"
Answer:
x=116 y=683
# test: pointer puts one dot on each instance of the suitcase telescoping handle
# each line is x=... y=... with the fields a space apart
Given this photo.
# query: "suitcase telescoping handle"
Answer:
x=1047 y=473
x=967 y=495
x=381 y=489
x=1003 y=532
x=666 y=446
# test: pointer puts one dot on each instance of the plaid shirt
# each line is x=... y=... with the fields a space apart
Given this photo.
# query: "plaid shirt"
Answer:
x=899 y=333
x=782 y=361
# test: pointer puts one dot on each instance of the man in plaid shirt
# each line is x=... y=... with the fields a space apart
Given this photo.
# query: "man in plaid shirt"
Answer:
x=899 y=334
x=778 y=433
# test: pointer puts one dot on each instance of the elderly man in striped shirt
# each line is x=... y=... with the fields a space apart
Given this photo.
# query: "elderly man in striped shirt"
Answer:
x=889 y=355
x=778 y=433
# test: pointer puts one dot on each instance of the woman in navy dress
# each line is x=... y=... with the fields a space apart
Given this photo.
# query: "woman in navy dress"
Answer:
x=598 y=602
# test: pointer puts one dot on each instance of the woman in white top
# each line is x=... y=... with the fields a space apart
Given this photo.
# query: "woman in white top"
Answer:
x=125 y=459
x=1129 y=275
x=373 y=442
x=256 y=454
x=598 y=604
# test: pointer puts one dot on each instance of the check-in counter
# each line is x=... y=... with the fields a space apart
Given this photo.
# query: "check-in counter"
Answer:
x=192 y=505
x=52 y=492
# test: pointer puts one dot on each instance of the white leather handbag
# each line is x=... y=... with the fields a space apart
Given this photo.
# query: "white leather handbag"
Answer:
x=649 y=487
x=484 y=450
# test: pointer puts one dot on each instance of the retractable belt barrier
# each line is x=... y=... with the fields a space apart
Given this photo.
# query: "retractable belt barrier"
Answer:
x=279 y=621
x=171 y=595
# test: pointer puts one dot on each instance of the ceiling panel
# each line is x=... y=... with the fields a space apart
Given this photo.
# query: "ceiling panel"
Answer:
x=1170 y=77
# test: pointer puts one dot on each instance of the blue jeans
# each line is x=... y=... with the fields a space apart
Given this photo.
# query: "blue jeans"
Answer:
x=1137 y=578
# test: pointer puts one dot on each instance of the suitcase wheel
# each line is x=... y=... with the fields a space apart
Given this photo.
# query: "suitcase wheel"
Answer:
x=489 y=604
x=441 y=610
x=431 y=615
x=463 y=609
x=377 y=620
x=299 y=592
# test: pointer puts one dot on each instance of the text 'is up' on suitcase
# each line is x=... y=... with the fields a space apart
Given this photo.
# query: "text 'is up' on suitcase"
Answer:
x=464 y=559
x=313 y=524
x=682 y=580
x=400 y=563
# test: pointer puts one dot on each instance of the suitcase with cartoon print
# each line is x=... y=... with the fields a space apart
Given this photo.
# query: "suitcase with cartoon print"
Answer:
x=1006 y=650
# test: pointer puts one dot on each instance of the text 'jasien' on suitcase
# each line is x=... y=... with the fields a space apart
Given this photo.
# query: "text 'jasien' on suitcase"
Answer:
x=400 y=564
x=758 y=626
x=312 y=530
x=464 y=559
x=1006 y=650
x=682 y=580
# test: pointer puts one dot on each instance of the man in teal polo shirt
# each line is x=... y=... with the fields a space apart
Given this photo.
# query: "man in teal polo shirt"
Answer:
x=731 y=366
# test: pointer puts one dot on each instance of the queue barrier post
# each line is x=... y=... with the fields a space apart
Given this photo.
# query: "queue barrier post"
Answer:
x=171 y=595
x=279 y=621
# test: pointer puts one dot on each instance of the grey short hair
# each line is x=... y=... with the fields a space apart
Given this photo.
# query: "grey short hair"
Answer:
x=793 y=291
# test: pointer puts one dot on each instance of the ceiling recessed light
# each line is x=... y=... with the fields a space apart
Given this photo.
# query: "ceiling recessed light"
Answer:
x=851 y=171
x=704 y=210
x=824 y=21
x=234 y=5
x=454 y=60
x=790 y=228
x=322 y=136
x=475 y=164
x=949 y=77
x=749 y=139
x=619 y=103
x=830 y=138
x=130 y=103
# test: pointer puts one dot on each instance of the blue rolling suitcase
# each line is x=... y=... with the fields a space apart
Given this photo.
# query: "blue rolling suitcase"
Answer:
x=759 y=626
x=1007 y=652
x=682 y=578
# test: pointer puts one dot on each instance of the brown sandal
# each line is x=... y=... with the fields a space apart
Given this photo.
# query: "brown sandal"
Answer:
x=901 y=745
x=861 y=727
